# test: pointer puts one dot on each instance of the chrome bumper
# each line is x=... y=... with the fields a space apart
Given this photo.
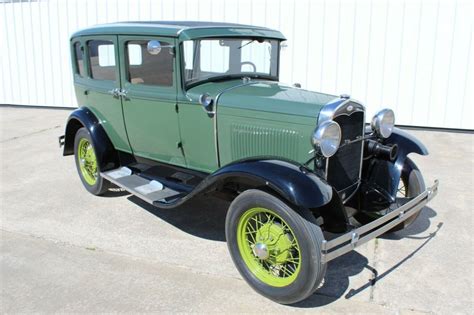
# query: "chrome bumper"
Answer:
x=347 y=242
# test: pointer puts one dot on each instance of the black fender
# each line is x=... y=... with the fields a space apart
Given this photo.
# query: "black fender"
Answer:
x=407 y=144
x=291 y=181
x=83 y=117
x=296 y=184
x=388 y=175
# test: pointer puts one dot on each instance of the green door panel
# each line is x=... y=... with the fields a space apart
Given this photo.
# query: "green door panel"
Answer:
x=150 y=112
x=108 y=109
x=81 y=91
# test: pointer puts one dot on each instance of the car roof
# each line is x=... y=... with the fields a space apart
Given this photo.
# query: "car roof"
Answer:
x=181 y=29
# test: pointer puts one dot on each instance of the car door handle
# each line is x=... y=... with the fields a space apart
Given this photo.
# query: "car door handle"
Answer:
x=122 y=93
x=115 y=92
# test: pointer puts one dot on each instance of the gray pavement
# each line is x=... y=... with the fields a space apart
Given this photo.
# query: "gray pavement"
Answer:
x=64 y=250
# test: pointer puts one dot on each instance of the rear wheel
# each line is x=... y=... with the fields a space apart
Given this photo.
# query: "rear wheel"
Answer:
x=87 y=164
x=276 y=250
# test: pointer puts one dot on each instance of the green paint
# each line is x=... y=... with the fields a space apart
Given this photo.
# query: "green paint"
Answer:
x=267 y=118
x=184 y=31
x=87 y=161
x=150 y=114
x=94 y=94
x=260 y=226
x=252 y=119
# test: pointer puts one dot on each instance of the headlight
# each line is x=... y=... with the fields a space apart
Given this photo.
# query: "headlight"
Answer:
x=383 y=122
x=327 y=138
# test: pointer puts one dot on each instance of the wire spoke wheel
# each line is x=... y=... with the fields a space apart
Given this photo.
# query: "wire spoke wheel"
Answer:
x=402 y=188
x=268 y=247
x=87 y=161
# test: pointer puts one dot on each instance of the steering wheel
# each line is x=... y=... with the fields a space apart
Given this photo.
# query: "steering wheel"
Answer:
x=249 y=63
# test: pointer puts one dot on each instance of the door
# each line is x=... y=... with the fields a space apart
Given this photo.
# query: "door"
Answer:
x=103 y=79
x=149 y=97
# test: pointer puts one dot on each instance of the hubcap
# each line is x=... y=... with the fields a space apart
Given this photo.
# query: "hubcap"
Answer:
x=268 y=247
x=260 y=250
x=87 y=161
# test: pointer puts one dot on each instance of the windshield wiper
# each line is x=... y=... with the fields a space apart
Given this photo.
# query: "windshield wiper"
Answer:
x=191 y=84
x=247 y=43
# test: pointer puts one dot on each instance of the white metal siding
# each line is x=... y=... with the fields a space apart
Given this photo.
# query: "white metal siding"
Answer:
x=414 y=56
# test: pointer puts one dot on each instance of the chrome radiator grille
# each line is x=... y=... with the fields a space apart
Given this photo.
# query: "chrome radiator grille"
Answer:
x=343 y=168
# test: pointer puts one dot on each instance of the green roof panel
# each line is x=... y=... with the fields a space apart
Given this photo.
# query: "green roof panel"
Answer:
x=182 y=29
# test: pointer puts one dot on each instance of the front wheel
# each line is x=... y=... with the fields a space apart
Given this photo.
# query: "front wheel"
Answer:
x=87 y=164
x=276 y=250
x=411 y=185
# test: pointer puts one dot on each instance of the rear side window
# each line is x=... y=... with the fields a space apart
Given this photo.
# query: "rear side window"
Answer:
x=79 y=58
x=102 y=59
x=150 y=62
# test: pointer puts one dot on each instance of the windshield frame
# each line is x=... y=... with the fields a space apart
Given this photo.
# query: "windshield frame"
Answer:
x=217 y=78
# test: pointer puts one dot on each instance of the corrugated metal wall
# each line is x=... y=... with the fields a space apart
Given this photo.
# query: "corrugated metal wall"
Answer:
x=414 y=56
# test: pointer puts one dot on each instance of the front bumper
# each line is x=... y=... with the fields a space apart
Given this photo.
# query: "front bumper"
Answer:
x=347 y=242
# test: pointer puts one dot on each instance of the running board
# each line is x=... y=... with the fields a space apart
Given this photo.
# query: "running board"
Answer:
x=151 y=191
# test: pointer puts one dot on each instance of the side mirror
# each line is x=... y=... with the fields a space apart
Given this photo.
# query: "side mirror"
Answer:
x=153 y=47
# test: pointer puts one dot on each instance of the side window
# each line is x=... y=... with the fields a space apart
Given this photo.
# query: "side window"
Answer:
x=102 y=59
x=150 y=62
x=79 y=58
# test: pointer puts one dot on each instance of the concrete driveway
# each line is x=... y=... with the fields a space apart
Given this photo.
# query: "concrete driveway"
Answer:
x=64 y=250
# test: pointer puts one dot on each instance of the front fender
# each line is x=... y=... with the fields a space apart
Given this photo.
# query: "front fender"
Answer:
x=298 y=185
x=291 y=181
x=104 y=149
x=407 y=144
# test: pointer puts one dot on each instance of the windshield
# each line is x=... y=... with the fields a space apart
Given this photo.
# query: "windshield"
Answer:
x=225 y=58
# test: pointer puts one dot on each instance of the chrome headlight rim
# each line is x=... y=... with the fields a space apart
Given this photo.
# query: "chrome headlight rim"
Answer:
x=327 y=138
x=383 y=123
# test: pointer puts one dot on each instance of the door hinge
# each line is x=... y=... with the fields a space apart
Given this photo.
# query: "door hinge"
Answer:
x=176 y=108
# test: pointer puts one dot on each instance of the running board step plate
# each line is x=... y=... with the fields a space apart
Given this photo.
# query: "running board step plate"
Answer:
x=151 y=191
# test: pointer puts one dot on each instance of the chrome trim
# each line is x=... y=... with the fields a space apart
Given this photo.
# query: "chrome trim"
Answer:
x=216 y=102
x=318 y=134
x=345 y=198
x=361 y=235
x=62 y=140
x=338 y=107
x=376 y=125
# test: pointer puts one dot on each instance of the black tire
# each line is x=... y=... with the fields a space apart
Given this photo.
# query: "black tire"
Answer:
x=304 y=228
x=413 y=183
x=101 y=185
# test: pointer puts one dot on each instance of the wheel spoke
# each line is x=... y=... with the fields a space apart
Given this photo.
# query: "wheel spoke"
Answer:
x=277 y=256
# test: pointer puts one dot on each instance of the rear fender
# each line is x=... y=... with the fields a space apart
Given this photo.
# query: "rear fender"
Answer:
x=104 y=149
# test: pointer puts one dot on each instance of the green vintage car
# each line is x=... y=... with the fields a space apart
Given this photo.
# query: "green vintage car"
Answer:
x=172 y=110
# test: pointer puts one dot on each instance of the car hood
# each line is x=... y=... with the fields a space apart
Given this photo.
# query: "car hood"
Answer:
x=269 y=96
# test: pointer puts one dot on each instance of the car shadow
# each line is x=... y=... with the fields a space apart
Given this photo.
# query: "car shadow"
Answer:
x=421 y=224
x=336 y=281
x=115 y=191
x=204 y=217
